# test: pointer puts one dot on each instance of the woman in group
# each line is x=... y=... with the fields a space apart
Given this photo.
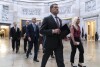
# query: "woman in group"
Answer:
x=76 y=42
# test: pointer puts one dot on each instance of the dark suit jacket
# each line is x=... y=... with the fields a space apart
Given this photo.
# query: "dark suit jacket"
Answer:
x=51 y=40
x=31 y=33
x=15 y=34
x=24 y=30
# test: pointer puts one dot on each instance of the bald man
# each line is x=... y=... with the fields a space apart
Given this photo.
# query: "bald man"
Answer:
x=33 y=36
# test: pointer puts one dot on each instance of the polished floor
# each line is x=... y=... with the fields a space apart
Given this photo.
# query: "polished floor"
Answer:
x=11 y=59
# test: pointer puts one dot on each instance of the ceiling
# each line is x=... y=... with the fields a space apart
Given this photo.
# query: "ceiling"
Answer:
x=41 y=0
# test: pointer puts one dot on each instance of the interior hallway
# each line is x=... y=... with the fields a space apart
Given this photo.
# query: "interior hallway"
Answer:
x=11 y=59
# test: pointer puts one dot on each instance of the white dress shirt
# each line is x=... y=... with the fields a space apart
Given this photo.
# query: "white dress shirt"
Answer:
x=15 y=28
x=34 y=26
x=55 y=19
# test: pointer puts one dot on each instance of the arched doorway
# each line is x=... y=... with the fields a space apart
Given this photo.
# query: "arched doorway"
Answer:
x=91 y=29
x=4 y=29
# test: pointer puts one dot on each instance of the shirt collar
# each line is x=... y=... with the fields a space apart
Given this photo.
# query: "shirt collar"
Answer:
x=53 y=15
x=33 y=23
x=15 y=27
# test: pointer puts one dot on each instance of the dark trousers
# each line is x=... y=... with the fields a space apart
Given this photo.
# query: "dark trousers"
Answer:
x=19 y=43
x=40 y=40
x=43 y=41
x=73 y=52
x=35 y=41
x=58 y=54
x=15 y=44
x=25 y=44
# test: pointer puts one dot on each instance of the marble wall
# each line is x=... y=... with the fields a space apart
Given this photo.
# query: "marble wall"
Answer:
x=85 y=9
x=90 y=10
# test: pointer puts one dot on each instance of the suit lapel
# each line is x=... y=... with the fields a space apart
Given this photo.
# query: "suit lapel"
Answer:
x=32 y=27
x=14 y=29
x=52 y=19
x=60 y=22
x=25 y=28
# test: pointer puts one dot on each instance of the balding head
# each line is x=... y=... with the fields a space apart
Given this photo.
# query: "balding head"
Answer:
x=27 y=22
x=15 y=24
x=33 y=20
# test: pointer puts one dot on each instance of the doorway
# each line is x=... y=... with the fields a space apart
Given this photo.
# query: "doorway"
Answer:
x=91 y=29
x=4 y=31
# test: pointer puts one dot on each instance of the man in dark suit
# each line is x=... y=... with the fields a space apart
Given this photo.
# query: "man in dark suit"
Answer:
x=24 y=29
x=33 y=36
x=53 y=42
x=15 y=36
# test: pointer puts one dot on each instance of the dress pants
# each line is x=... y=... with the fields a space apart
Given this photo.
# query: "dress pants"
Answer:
x=35 y=42
x=15 y=43
x=19 y=43
x=43 y=38
x=25 y=44
x=58 y=55
x=73 y=52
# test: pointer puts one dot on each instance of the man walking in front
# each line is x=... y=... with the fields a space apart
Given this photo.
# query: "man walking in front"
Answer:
x=53 y=42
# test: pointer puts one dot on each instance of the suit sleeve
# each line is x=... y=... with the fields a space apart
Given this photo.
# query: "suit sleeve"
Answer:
x=10 y=32
x=19 y=33
x=27 y=31
x=38 y=31
x=44 y=28
x=22 y=31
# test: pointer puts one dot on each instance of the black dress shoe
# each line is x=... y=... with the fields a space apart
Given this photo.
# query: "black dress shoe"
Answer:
x=81 y=65
x=52 y=56
x=25 y=51
x=13 y=50
x=73 y=65
x=27 y=55
x=16 y=51
x=36 y=60
x=30 y=53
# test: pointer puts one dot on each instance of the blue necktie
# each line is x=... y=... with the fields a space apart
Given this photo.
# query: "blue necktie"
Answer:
x=34 y=29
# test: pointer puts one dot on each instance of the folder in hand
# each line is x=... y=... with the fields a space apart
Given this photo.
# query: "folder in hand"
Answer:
x=64 y=31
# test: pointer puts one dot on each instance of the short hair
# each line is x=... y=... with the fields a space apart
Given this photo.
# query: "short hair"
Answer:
x=52 y=5
x=14 y=23
x=27 y=20
x=33 y=18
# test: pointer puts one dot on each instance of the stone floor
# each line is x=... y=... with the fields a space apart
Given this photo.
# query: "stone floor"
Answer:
x=11 y=59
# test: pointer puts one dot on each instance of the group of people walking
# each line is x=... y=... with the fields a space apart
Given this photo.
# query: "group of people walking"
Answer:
x=52 y=42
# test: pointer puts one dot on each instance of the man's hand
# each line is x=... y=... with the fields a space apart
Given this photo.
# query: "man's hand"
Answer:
x=29 y=38
x=56 y=31
x=10 y=37
x=41 y=35
x=25 y=35
x=76 y=43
